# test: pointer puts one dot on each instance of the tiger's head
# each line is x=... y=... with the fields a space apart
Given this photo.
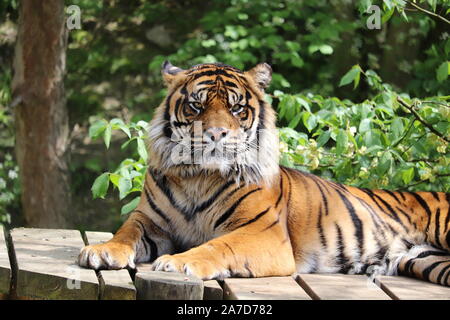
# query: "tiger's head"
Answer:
x=215 y=119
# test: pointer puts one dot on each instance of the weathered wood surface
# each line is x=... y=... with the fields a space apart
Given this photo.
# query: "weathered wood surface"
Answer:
x=340 y=287
x=403 y=288
x=157 y=285
x=5 y=266
x=47 y=269
x=212 y=290
x=273 y=288
x=115 y=284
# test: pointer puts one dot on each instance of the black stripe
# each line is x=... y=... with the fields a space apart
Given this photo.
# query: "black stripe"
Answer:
x=212 y=73
x=155 y=207
x=374 y=198
x=410 y=263
x=447 y=239
x=163 y=185
x=406 y=215
x=447 y=218
x=273 y=223
x=231 y=210
x=230 y=84
x=205 y=204
x=324 y=198
x=437 y=228
x=426 y=272
x=392 y=195
x=256 y=218
x=207 y=82
x=441 y=274
x=435 y=195
x=323 y=240
x=424 y=205
x=359 y=234
x=290 y=186
x=342 y=260
x=281 y=191
x=146 y=239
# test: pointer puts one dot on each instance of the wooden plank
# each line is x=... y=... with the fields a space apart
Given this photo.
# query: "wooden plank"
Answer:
x=158 y=285
x=271 y=288
x=47 y=268
x=115 y=284
x=340 y=287
x=212 y=290
x=144 y=267
x=404 y=288
x=5 y=266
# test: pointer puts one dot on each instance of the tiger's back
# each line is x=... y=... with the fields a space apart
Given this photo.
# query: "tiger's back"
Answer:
x=338 y=228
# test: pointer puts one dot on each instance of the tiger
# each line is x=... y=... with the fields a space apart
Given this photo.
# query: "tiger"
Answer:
x=220 y=205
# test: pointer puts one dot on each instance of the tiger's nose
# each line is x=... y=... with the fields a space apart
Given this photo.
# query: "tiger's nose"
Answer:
x=216 y=134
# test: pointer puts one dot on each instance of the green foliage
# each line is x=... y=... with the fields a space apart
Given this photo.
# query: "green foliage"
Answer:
x=9 y=188
x=128 y=178
x=377 y=143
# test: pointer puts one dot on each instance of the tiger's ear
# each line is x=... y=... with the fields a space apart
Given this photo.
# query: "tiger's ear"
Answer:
x=261 y=74
x=169 y=72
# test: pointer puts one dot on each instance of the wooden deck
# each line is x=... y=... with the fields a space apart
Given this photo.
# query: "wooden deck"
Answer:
x=40 y=264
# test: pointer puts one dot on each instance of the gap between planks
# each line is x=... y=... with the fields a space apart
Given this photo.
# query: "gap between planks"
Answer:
x=114 y=284
x=6 y=270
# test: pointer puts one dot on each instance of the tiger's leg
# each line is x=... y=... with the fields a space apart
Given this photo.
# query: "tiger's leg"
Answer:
x=138 y=240
x=255 y=250
x=426 y=262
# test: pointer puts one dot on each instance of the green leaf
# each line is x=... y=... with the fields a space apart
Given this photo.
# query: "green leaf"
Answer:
x=309 y=120
x=107 y=136
x=443 y=71
x=117 y=123
x=387 y=15
x=125 y=186
x=352 y=75
x=97 y=128
x=365 y=125
x=397 y=127
x=323 y=138
x=130 y=206
x=385 y=163
x=100 y=186
x=326 y=49
x=142 y=149
x=294 y=122
x=341 y=142
x=114 y=178
x=408 y=175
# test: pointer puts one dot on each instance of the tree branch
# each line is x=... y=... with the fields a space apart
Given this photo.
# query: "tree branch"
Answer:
x=418 y=117
x=428 y=12
x=427 y=180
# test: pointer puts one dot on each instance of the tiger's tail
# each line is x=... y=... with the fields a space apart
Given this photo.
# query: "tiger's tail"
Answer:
x=425 y=262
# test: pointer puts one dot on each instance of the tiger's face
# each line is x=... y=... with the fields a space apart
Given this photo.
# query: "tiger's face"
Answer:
x=215 y=119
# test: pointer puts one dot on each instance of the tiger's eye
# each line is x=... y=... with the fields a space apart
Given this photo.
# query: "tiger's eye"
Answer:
x=196 y=106
x=237 y=108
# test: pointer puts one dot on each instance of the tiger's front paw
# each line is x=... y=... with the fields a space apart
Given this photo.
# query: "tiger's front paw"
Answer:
x=200 y=268
x=107 y=256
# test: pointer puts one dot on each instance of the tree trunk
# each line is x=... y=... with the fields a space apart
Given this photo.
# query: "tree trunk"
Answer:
x=41 y=116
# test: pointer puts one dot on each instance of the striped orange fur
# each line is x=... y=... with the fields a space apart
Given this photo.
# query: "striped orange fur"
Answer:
x=221 y=217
